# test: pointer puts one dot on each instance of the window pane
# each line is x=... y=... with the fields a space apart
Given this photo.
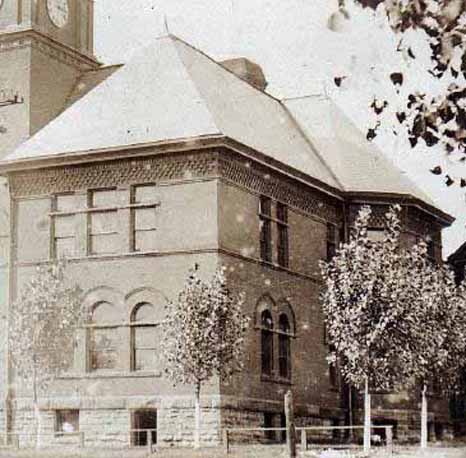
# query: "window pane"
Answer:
x=144 y=194
x=103 y=360
x=104 y=198
x=144 y=337
x=103 y=222
x=66 y=202
x=103 y=349
x=282 y=248
x=145 y=360
x=266 y=240
x=65 y=248
x=67 y=421
x=144 y=241
x=282 y=212
x=64 y=226
x=267 y=352
x=104 y=244
x=284 y=362
x=144 y=218
x=103 y=339
x=104 y=312
x=265 y=206
x=144 y=312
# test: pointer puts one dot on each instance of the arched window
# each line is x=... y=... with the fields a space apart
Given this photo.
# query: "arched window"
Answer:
x=143 y=338
x=103 y=337
x=267 y=342
x=284 y=347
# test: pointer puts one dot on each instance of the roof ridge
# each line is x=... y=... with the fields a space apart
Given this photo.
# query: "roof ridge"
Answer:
x=221 y=66
x=312 y=146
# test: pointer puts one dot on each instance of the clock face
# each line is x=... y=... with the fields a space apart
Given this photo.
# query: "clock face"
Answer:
x=58 y=11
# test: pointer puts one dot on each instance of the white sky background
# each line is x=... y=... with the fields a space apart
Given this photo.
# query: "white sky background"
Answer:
x=299 y=54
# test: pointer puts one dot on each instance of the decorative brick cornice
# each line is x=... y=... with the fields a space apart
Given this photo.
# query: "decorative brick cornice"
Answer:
x=32 y=39
x=159 y=168
x=180 y=166
x=260 y=180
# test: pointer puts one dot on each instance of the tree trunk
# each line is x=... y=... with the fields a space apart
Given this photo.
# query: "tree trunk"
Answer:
x=35 y=403
x=197 y=415
x=424 y=430
x=350 y=413
x=367 y=417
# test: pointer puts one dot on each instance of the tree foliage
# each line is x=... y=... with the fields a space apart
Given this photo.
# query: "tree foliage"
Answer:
x=393 y=315
x=430 y=118
x=364 y=301
x=204 y=331
x=42 y=325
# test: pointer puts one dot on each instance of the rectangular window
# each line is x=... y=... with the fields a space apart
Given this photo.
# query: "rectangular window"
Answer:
x=144 y=424
x=375 y=234
x=265 y=221
x=63 y=227
x=331 y=241
x=67 y=421
x=143 y=217
x=431 y=249
x=103 y=222
x=270 y=435
x=333 y=371
x=145 y=348
x=282 y=230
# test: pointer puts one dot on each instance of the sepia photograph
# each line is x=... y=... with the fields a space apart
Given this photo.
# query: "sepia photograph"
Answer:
x=232 y=228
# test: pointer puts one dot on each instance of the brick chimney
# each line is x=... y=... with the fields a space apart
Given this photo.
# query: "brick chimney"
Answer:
x=247 y=71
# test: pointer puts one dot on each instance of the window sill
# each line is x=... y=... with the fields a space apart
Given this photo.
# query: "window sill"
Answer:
x=97 y=375
x=274 y=379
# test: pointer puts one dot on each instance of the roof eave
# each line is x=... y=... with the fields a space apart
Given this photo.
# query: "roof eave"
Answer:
x=406 y=199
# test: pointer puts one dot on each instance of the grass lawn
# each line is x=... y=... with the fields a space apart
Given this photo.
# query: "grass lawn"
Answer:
x=237 y=452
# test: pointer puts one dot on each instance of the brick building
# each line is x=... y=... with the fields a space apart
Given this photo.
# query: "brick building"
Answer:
x=136 y=173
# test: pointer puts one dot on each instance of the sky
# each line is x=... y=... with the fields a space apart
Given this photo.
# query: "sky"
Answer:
x=301 y=46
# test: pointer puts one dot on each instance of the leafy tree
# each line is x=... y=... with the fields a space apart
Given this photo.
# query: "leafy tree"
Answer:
x=42 y=329
x=428 y=116
x=204 y=334
x=395 y=318
x=364 y=300
x=437 y=321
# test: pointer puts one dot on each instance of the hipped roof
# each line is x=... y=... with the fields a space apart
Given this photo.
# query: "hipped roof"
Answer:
x=170 y=91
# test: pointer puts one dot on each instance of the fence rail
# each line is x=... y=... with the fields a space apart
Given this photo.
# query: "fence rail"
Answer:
x=127 y=439
x=304 y=433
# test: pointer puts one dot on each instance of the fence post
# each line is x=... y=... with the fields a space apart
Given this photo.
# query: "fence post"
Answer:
x=290 y=427
x=16 y=441
x=81 y=439
x=389 y=437
x=226 y=441
x=303 y=440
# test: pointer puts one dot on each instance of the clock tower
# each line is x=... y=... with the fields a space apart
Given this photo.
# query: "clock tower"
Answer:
x=45 y=46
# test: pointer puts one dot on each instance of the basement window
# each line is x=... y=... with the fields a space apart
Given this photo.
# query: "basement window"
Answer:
x=67 y=421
